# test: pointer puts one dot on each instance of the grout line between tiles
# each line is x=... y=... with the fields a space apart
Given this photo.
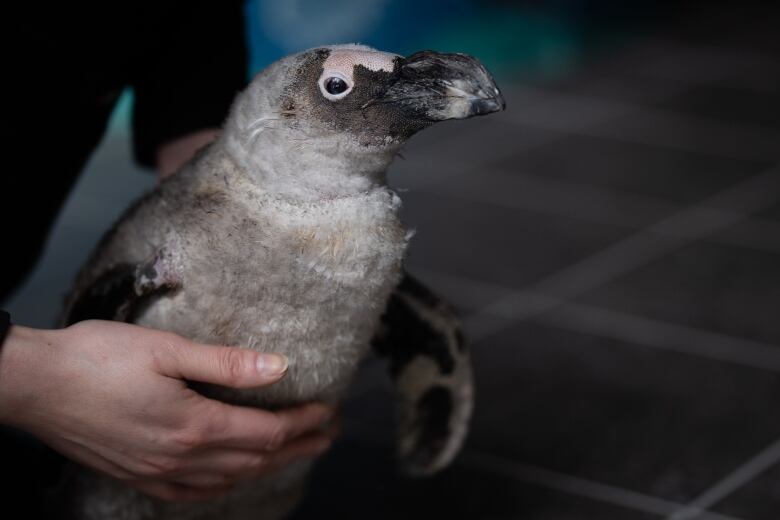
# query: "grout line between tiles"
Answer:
x=587 y=124
x=550 y=479
x=629 y=253
x=584 y=202
x=448 y=167
x=730 y=483
x=575 y=485
x=628 y=327
x=537 y=97
x=720 y=133
x=582 y=316
x=668 y=336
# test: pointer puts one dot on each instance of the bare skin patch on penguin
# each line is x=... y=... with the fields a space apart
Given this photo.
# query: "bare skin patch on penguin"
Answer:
x=345 y=61
x=123 y=291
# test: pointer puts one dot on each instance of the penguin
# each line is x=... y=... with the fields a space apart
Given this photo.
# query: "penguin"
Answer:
x=283 y=236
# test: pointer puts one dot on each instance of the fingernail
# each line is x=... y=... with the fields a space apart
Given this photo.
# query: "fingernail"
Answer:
x=271 y=364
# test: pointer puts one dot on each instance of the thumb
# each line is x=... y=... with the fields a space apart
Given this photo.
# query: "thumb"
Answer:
x=226 y=366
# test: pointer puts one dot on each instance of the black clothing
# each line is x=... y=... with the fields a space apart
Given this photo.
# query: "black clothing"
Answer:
x=64 y=66
x=5 y=324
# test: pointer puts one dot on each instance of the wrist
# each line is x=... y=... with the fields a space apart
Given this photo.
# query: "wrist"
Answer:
x=171 y=156
x=19 y=370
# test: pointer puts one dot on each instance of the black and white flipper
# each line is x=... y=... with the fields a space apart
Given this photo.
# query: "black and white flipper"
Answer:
x=121 y=292
x=431 y=368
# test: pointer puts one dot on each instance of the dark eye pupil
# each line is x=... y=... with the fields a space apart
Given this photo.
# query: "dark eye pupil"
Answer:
x=335 y=85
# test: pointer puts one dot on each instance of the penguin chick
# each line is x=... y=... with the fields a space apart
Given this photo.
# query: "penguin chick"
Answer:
x=282 y=236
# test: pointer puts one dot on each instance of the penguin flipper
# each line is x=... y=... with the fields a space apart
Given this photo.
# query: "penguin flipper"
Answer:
x=431 y=368
x=119 y=293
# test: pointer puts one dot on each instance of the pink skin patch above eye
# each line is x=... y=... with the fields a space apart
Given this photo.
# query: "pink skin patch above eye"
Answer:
x=344 y=62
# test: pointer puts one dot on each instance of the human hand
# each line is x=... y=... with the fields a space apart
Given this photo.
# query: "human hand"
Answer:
x=171 y=156
x=112 y=396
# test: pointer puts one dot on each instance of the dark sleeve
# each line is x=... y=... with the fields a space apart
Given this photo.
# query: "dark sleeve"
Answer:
x=5 y=324
x=187 y=80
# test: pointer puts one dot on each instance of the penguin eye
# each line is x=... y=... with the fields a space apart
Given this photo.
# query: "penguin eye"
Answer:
x=334 y=86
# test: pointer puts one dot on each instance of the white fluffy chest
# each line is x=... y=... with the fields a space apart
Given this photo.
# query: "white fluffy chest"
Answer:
x=310 y=283
x=346 y=252
x=340 y=267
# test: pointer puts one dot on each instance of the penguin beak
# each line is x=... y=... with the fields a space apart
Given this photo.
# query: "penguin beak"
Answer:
x=435 y=86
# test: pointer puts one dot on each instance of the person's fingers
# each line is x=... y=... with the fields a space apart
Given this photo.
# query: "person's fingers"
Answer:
x=241 y=463
x=226 y=366
x=226 y=468
x=171 y=155
x=178 y=492
x=306 y=447
x=253 y=429
x=225 y=462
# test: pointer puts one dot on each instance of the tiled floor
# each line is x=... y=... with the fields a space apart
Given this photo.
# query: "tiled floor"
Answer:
x=613 y=243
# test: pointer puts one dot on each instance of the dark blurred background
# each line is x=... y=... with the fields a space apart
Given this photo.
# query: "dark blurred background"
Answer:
x=612 y=241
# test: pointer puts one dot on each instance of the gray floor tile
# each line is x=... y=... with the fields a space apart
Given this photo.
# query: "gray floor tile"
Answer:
x=678 y=175
x=466 y=147
x=754 y=233
x=728 y=104
x=686 y=54
x=758 y=500
x=728 y=290
x=654 y=422
x=358 y=480
x=597 y=81
x=772 y=213
x=465 y=295
x=549 y=195
x=691 y=133
x=495 y=244
x=662 y=58
x=546 y=109
x=764 y=79
x=751 y=27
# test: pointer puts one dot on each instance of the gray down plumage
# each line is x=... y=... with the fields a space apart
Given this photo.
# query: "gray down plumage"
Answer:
x=283 y=236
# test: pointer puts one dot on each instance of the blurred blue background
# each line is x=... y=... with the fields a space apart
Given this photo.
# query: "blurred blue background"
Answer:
x=510 y=38
x=513 y=38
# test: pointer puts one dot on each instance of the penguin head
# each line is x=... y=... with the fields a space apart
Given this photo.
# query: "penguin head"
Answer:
x=376 y=98
x=336 y=116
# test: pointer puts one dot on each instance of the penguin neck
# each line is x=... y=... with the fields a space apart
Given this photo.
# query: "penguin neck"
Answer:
x=306 y=169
